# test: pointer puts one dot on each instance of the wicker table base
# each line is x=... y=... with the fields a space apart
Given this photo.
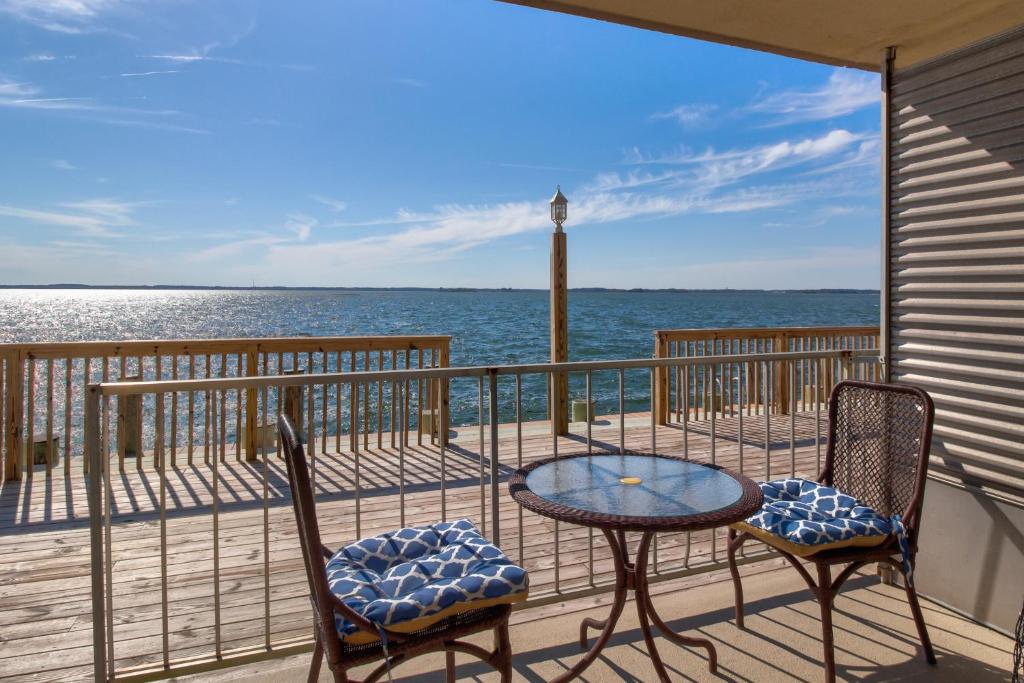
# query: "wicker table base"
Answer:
x=632 y=576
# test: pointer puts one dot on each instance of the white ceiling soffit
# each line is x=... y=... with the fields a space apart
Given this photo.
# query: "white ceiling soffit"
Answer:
x=848 y=33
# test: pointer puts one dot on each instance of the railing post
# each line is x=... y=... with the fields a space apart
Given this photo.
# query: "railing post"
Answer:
x=846 y=365
x=492 y=409
x=444 y=358
x=129 y=422
x=293 y=404
x=95 y=496
x=251 y=426
x=14 y=414
x=661 y=380
x=781 y=345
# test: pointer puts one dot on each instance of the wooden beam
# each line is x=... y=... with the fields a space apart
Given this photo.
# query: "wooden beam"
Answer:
x=661 y=380
x=253 y=442
x=559 y=332
x=14 y=414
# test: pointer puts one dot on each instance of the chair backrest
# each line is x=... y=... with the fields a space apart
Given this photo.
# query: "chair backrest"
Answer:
x=309 y=534
x=879 y=440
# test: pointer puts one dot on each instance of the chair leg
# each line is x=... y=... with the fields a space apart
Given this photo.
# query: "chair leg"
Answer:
x=449 y=666
x=503 y=650
x=314 y=665
x=825 y=595
x=733 y=544
x=922 y=629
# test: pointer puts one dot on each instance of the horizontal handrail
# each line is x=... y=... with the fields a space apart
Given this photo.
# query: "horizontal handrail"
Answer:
x=169 y=386
x=135 y=347
x=743 y=332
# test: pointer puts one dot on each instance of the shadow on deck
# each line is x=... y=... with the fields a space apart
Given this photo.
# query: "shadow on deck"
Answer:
x=255 y=576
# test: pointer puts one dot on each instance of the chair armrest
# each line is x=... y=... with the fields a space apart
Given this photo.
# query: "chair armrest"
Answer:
x=327 y=552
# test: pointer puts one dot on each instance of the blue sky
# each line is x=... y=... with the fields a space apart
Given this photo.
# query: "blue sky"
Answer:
x=417 y=142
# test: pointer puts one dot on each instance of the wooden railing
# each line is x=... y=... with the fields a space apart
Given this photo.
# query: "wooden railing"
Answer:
x=43 y=395
x=696 y=393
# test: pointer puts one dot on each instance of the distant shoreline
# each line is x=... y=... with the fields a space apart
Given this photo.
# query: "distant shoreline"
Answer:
x=638 y=290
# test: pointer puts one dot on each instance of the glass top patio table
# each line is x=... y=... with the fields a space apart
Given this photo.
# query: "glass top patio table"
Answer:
x=635 y=492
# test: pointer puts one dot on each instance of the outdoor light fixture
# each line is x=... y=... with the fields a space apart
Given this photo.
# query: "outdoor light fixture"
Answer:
x=559 y=208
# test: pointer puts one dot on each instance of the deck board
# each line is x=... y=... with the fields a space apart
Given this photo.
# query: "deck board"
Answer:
x=45 y=622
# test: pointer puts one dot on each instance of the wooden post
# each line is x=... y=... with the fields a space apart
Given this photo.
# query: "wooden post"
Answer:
x=14 y=414
x=781 y=345
x=129 y=421
x=442 y=402
x=293 y=404
x=846 y=366
x=559 y=332
x=253 y=435
x=661 y=380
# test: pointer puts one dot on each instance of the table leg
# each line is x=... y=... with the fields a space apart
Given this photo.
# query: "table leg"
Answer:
x=607 y=626
x=643 y=597
x=642 y=603
x=633 y=576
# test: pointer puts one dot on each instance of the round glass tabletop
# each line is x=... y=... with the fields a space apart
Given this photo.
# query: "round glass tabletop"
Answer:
x=633 y=489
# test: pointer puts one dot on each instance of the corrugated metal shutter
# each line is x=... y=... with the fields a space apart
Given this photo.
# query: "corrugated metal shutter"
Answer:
x=957 y=255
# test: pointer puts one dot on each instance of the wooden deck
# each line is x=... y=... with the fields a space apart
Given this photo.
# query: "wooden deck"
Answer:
x=45 y=622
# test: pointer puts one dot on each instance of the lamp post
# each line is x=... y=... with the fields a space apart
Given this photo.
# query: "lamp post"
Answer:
x=559 y=315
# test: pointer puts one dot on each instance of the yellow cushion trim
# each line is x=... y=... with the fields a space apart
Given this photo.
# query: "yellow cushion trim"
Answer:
x=362 y=637
x=808 y=550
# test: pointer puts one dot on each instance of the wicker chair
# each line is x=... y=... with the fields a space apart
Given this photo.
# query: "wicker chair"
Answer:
x=365 y=640
x=879 y=439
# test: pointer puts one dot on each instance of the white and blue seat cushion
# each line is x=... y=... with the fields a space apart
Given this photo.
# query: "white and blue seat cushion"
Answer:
x=805 y=517
x=408 y=579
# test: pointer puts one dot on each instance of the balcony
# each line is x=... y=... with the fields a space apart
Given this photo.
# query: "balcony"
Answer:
x=191 y=562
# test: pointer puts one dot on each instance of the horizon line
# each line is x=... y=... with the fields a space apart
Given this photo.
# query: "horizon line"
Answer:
x=74 y=285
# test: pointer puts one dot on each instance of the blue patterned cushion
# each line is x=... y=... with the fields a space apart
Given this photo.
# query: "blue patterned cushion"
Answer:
x=811 y=517
x=409 y=578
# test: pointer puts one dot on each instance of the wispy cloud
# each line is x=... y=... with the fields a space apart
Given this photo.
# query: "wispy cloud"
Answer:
x=845 y=92
x=795 y=269
x=213 y=52
x=149 y=73
x=411 y=82
x=27 y=96
x=62 y=16
x=687 y=183
x=332 y=204
x=193 y=57
x=93 y=218
x=714 y=169
x=153 y=125
x=454 y=228
x=46 y=57
x=11 y=89
x=688 y=116
x=23 y=95
x=63 y=165
x=300 y=224
x=297 y=229
x=866 y=155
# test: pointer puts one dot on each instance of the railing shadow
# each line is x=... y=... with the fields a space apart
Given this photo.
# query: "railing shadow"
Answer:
x=953 y=666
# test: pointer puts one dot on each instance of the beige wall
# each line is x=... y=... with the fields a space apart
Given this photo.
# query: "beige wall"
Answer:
x=972 y=554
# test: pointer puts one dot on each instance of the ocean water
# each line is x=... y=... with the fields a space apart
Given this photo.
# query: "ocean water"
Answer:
x=487 y=327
